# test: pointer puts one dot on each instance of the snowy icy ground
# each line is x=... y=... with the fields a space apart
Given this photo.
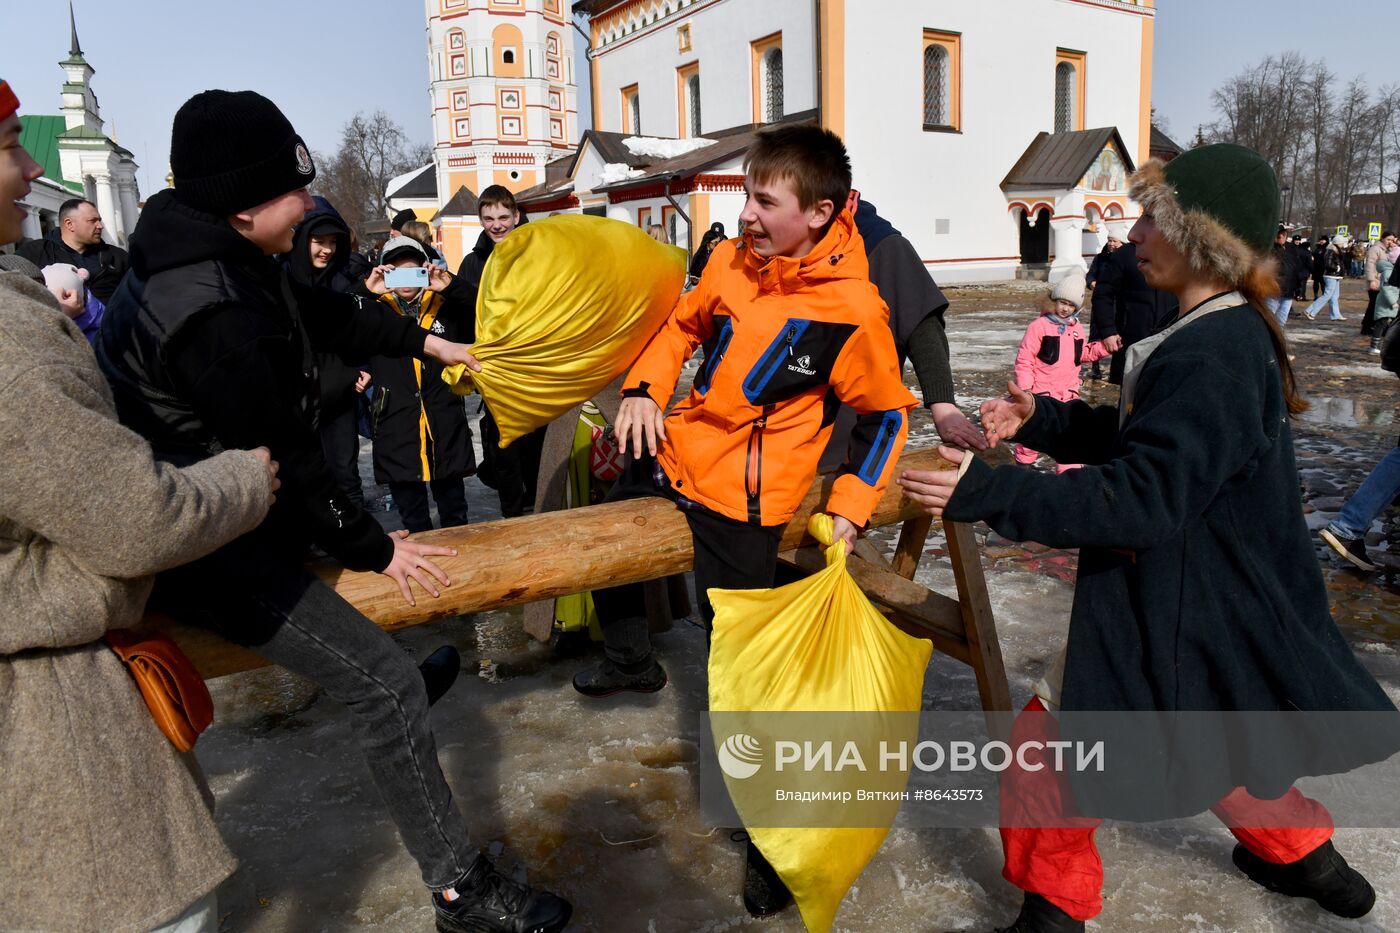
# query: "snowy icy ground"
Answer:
x=597 y=799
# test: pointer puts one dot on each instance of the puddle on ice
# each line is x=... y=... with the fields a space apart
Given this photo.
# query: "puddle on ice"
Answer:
x=1349 y=412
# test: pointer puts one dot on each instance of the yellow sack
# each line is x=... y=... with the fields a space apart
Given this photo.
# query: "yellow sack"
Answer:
x=565 y=306
x=816 y=645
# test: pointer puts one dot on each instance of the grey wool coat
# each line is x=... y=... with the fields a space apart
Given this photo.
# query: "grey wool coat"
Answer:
x=102 y=825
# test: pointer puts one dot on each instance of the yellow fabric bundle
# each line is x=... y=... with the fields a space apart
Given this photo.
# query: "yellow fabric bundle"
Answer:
x=565 y=305
x=816 y=645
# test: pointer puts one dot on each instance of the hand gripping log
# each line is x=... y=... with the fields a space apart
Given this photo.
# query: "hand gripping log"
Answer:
x=538 y=557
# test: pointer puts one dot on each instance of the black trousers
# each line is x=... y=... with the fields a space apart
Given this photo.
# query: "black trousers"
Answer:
x=1368 y=322
x=513 y=472
x=729 y=555
x=340 y=439
x=411 y=501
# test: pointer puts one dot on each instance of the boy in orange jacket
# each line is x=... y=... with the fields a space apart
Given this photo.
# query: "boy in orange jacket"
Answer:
x=793 y=327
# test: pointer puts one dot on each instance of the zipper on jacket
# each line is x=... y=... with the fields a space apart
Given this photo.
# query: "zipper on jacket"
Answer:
x=707 y=374
x=772 y=359
x=753 y=467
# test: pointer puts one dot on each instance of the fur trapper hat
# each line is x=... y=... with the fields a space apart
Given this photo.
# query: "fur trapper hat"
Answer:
x=1219 y=205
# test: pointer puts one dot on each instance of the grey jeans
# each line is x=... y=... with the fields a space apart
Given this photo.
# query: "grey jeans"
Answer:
x=293 y=619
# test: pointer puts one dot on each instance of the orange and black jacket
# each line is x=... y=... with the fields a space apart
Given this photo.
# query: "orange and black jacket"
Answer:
x=420 y=426
x=790 y=339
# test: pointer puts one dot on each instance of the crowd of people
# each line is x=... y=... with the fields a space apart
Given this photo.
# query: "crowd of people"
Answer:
x=244 y=338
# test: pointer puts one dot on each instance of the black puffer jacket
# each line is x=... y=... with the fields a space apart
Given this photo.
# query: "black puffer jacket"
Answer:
x=420 y=430
x=209 y=346
x=338 y=374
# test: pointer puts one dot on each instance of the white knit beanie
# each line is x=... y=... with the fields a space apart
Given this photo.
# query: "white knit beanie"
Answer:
x=1070 y=288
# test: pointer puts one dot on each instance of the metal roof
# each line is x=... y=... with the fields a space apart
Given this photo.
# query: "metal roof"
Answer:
x=38 y=134
x=1161 y=142
x=462 y=204
x=422 y=185
x=1059 y=160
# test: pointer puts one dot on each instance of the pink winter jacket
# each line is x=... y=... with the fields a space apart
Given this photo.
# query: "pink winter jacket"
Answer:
x=1050 y=356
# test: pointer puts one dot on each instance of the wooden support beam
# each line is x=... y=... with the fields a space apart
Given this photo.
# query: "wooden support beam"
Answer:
x=976 y=607
x=537 y=557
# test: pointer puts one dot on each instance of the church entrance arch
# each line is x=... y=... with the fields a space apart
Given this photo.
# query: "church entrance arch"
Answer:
x=1035 y=240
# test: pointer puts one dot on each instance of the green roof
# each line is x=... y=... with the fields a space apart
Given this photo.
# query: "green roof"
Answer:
x=39 y=135
x=82 y=132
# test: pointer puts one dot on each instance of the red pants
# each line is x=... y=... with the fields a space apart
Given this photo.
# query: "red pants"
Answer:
x=1056 y=858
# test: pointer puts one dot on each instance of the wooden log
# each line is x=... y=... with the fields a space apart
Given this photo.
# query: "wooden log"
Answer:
x=537 y=557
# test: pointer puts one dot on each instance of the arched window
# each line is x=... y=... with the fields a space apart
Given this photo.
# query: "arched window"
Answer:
x=1066 y=93
x=937 y=86
x=634 y=113
x=692 y=93
x=773 y=85
x=506 y=44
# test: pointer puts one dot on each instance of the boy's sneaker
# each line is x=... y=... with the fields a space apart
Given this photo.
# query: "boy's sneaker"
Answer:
x=607 y=679
x=1352 y=550
x=1322 y=875
x=1040 y=916
x=489 y=902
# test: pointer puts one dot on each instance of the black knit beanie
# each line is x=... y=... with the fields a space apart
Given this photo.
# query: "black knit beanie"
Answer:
x=404 y=216
x=232 y=150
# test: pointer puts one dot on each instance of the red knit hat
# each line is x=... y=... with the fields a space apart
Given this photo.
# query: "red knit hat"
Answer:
x=9 y=103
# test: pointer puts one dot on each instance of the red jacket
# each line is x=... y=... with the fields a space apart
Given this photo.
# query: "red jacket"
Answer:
x=791 y=338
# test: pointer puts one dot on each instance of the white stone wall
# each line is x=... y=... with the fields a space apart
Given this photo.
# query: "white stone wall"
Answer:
x=721 y=33
x=478 y=24
x=915 y=177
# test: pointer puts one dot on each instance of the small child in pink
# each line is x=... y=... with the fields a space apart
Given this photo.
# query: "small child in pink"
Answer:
x=1053 y=350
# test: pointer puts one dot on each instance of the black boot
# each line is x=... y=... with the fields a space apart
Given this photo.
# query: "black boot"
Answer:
x=440 y=672
x=764 y=891
x=1322 y=875
x=489 y=902
x=1040 y=916
x=608 y=678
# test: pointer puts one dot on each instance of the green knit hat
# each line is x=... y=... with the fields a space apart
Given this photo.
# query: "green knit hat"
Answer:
x=1218 y=204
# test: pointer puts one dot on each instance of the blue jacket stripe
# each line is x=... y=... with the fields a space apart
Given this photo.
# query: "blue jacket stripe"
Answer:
x=879 y=453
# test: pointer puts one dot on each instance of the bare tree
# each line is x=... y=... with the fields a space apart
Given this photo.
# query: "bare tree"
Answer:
x=1353 y=143
x=373 y=149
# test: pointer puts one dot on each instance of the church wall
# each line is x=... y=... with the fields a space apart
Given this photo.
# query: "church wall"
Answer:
x=918 y=177
x=720 y=36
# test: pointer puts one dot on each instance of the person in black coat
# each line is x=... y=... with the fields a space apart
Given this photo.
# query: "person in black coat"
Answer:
x=514 y=471
x=208 y=345
x=1305 y=259
x=1319 y=266
x=422 y=441
x=321 y=257
x=1198 y=587
x=1292 y=276
x=712 y=238
x=78 y=240
x=1125 y=305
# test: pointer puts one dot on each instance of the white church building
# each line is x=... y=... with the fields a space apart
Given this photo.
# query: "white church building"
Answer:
x=997 y=151
x=504 y=103
x=79 y=159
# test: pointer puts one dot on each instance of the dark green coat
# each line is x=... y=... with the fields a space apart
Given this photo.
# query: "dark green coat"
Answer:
x=1198 y=585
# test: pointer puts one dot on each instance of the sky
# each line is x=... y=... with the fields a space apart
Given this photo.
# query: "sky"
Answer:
x=324 y=60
